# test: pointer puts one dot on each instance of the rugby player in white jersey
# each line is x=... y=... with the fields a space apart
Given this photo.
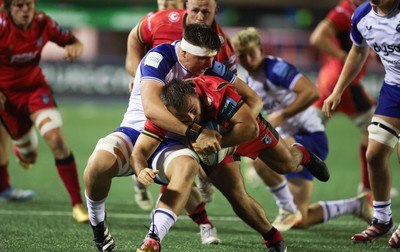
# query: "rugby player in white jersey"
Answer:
x=375 y=24
x=111 y=156
x=288 y=96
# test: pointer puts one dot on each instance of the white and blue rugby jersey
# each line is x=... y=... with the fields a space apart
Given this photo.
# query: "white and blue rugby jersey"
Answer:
x=161 y=64
x=274 y=84
x=382 y=34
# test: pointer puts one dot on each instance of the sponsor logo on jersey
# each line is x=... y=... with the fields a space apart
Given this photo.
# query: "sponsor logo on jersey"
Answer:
x=398 y=28
x=228 y=109
x=39 y=42
x=386 y=49
x=153 y=59
x=23 y=57
x=266 y=139
x=174 y=17
x=45 y=98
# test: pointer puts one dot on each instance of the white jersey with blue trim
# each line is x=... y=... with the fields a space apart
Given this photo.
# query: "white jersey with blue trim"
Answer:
x=382 y=34
x=273 y=83
x=161 y=64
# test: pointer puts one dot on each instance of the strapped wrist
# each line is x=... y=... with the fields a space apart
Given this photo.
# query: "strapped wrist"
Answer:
x=193 y=131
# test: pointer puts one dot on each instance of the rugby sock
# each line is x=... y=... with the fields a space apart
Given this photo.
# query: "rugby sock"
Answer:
x=333 y=209
x=382 y=211
x=283 y=197
x=364 y=168
x=69 y=175
x=200 y=215
x=163 y=220
x=306 y=155
x=271 y=237
x=4 y=177
x=96 y=210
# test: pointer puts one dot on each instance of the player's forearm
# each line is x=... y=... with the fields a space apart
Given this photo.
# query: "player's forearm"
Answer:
x=239 y=134
x=352 y=66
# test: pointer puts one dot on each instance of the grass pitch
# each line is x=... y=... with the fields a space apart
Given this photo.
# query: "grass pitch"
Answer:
x=45 y=224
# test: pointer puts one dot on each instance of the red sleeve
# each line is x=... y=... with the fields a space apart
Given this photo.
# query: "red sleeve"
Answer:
x=340 y=16
x=153 y=131
x=161 y=27
x=221 y=101
x=57 y=34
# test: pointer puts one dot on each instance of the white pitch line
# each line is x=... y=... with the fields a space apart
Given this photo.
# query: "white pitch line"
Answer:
x=134 y=216
x=113 y=215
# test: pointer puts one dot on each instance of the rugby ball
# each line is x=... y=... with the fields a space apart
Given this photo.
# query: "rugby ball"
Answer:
x=215 y=158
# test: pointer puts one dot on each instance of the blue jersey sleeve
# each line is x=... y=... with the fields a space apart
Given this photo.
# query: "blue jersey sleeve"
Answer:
x=158 y=62
x=280 y=72
x=220 y=70
x=359 y=13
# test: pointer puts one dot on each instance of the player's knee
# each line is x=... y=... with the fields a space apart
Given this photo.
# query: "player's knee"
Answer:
x=383 y=132
x=48 y=120
x=184 y=166
x=112 y=154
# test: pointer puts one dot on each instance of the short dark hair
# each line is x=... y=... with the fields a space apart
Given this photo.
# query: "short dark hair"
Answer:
x=173 y=94
x=202 y=35
x=7 y=4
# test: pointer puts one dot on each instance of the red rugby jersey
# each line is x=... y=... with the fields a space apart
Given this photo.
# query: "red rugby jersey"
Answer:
x=167 y=26
x=20 y=51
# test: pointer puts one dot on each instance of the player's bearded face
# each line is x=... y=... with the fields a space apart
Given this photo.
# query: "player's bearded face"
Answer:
x=22 y=12
x=201 y=11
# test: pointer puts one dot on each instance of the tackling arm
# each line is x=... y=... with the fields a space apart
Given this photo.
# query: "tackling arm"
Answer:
x=244 y=128
x=250 y=97
x=144 y=147
x=207 y=141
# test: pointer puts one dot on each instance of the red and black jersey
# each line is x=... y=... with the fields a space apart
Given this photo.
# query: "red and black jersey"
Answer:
x=20 y=50
x=167 y=26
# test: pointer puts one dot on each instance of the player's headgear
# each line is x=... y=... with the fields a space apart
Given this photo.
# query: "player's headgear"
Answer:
x=200 y=40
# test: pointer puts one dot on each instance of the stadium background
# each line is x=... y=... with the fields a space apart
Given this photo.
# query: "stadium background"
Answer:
x=93 y=95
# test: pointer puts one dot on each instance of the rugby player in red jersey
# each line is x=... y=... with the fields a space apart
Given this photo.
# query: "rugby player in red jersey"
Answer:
x=166 y=27
x=28 y=99
x=7 y=192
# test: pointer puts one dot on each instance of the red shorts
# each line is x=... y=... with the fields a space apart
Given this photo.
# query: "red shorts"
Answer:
x=268 y=138
x=354 y=100
x=21 y=103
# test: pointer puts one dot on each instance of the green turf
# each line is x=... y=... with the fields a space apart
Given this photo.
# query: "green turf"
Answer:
x=45 y=224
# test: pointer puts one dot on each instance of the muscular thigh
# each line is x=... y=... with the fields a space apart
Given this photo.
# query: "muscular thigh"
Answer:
x=228 y=178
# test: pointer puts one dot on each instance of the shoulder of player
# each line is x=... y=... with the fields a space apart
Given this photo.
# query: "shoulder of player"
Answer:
x=171 y=16
x=361 y=12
